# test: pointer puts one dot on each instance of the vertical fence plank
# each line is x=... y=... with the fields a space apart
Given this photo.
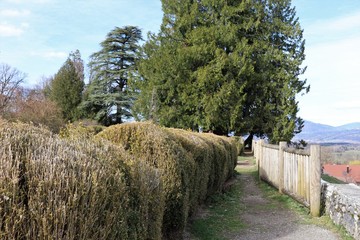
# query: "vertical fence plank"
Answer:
x=315 y=180
x=308 y=179
x=281 y=166
x=261 y=142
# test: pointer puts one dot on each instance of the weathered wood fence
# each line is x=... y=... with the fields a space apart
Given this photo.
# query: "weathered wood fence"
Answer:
x=294 y=172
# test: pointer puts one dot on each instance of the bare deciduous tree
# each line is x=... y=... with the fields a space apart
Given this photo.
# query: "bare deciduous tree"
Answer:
x=31 y=105
x=10 y=80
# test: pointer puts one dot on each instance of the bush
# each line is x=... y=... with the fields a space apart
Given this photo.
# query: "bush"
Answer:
x=80 y=130
x=70 y=189
x=159 y=150
x=79 y=187
x=192 y=165
x=239 y=142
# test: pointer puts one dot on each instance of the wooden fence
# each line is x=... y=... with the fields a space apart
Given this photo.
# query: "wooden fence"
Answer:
x=294 y=172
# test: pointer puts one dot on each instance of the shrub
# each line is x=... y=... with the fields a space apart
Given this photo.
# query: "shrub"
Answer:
x=199 y=151
x=80 y=130
x=79 y=187
x=223 y=162
x=159 y=150
x=72 y=189
x=239 y=142
x=193 y=165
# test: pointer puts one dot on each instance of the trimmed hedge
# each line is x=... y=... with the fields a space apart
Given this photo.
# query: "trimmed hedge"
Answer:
x=52 y=188
x=159 y=150
x=193 y=165
x=142 y=184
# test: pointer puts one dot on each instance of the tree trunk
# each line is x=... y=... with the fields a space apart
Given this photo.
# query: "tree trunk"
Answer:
x=248 y=141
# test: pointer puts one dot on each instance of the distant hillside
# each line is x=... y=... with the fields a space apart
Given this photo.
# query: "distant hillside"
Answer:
x=320 y=133
x=350 y=126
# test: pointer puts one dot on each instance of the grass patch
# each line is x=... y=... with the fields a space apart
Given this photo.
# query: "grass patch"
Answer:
x=247 y=164
x=221 y=215
x=331 y=179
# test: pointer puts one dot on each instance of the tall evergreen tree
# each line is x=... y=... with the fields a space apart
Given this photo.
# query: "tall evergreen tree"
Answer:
x=225 y=66
x=108 y=97
x=67 y=86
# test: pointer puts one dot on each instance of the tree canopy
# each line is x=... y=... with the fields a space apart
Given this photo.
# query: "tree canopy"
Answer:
x=67 y=86
x=225 y=65
x=108 y=98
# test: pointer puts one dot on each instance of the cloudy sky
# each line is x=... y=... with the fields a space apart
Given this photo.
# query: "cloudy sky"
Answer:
x=36 y=37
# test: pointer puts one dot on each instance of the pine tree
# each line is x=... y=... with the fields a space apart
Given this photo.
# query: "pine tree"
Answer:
x=67 y=86
x=286 y=48
x=109 y=98
x=225 y=66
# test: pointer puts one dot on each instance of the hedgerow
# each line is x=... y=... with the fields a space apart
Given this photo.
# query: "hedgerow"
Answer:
x=52 y=188
x=192 y=165
x=130 y=181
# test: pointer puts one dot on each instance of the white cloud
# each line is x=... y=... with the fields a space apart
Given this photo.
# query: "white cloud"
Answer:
x=348 y=24
x=350 y=104
x=345 y=23
x=7 y=30
x=14 y=13
x=50 y=54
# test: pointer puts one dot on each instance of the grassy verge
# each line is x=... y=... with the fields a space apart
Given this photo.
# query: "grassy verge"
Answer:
x=331 y=179
x=220 y=216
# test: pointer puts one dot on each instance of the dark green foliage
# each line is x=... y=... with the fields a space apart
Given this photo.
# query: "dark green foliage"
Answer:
x=66 y=88
x=108 y=98
x=225 y=66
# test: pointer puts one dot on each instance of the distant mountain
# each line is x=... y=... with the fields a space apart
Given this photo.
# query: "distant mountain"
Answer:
x=316 y=127
x=321 y=133
x=350 y=126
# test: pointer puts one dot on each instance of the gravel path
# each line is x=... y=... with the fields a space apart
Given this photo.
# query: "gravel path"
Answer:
x=267 y=219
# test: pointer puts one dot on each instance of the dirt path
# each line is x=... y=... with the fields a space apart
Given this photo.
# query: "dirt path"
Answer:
x=268 y=219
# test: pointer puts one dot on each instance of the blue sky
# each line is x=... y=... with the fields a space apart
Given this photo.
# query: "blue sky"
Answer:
x=36 y=37
x=332 y=33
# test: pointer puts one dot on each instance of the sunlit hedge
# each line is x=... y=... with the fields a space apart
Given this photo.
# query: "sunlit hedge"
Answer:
x=52 y=188
x=193 y=165
x=130 y=181
x=160 y=150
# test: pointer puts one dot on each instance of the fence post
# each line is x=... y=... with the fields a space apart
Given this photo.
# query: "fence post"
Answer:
x=315 y=180
x=253 y=146
x=282 y=146
x=260 y=149
x=256 y=152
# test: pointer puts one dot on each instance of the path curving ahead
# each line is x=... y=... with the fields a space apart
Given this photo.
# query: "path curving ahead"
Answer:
x=267 y=219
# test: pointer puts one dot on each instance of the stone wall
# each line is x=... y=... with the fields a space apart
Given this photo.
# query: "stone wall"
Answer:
x=342 y=203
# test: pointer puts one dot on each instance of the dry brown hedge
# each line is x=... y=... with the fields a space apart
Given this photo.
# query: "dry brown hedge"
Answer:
x=142 y=184
x=159 y=150
x=52 y=188
x=192 y=165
